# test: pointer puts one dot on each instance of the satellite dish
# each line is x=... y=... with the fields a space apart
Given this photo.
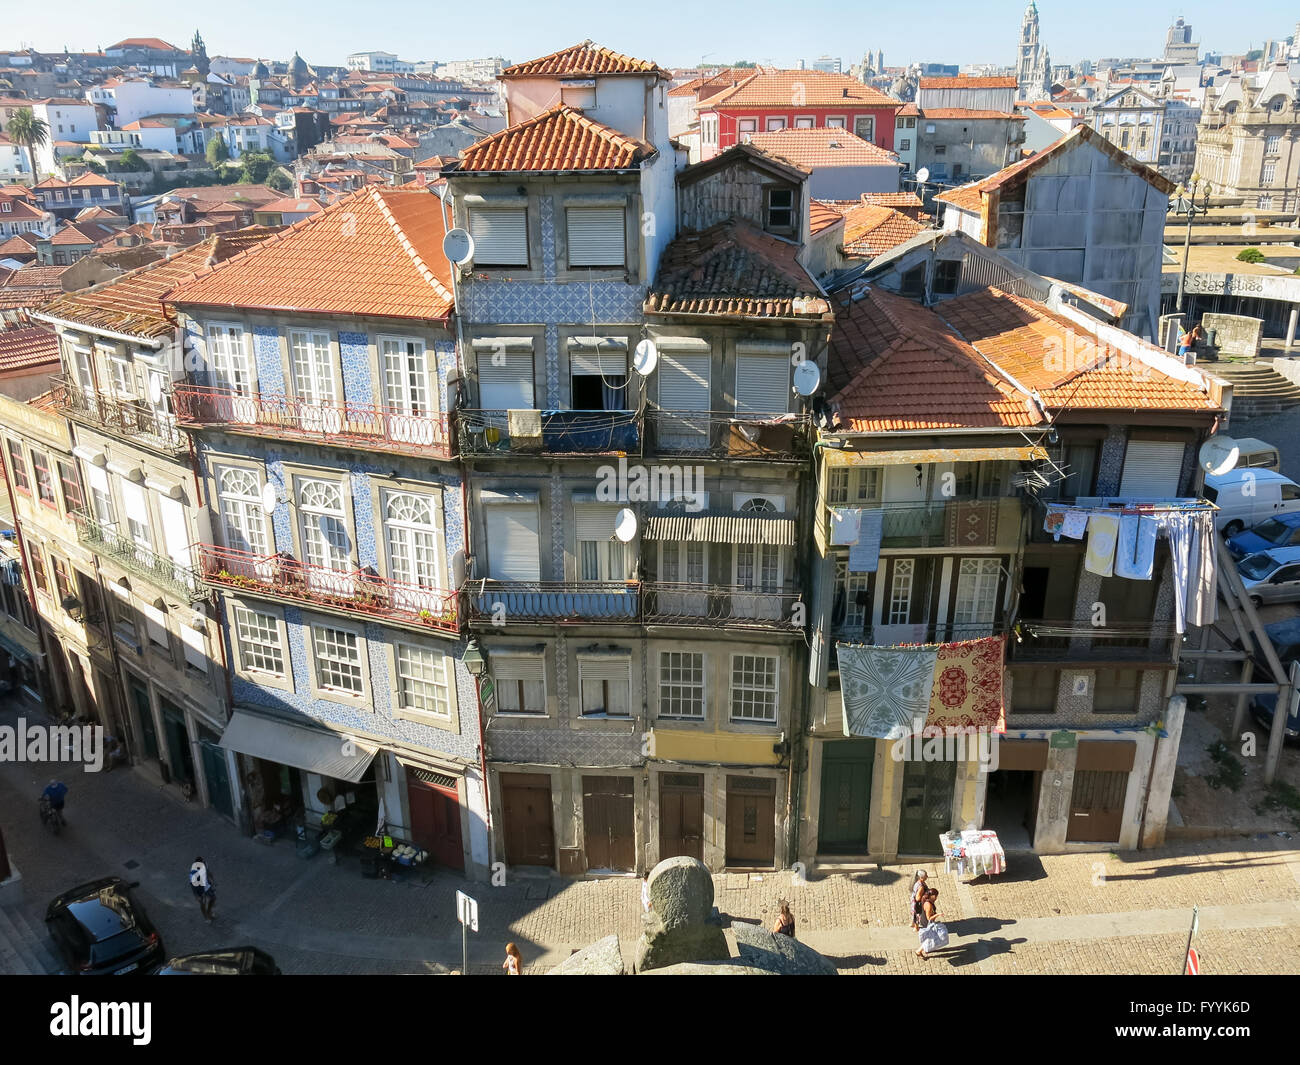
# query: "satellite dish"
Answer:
x=625 y=524
x=923 y=175
x=458 y=246
x=1219 y=454
x=155 y=389
x=807 y=378
x=269 y=499
x=645 y=358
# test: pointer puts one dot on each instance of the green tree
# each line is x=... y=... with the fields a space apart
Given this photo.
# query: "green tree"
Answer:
x=1250 y=255
x=29 y=131
x=1253 y=54
x=280 y=181
x=217 y=152
x=256 y=167
x=131 y=161
x=744 y=64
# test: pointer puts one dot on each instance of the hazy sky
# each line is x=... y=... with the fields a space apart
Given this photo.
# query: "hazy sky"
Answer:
x=671 y=32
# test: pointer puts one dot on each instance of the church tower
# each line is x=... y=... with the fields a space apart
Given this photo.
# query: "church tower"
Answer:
x=1031 y=59
x=199 y=53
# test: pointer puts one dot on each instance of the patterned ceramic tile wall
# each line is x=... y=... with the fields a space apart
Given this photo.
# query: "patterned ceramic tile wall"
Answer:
x=445 y=358
x=556 y=397
x=1110 y=467
x=558 y=498
x=266 y=356
x=354 y=354
x=363 y=516
x=587 y=747
x=527 y=302
x=546 y=213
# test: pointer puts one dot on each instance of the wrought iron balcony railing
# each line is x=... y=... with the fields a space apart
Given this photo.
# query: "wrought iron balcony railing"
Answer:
x=549 y=432
x=717 y=606
x=956 y=523
x=506 y=602
x=850 y=631
x=715 y=434
x=356 y=425
x=132 y=418
x=1064 y=640
x=106 y=540
x=361 y=592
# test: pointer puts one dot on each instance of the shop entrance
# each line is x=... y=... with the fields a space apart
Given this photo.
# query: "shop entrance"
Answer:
x=927 y=806
x=274 y=795
x=751 y=821
x=435 y=815
x=148 y=734
x=216 y=773
x=1011 y=807
x=608 y=821
x=846 y=796
x=526 y=819
x=681 y=815
x=1097 y=806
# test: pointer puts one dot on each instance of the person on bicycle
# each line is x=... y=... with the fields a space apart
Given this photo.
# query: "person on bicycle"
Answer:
x=201 y=885
x=55 y=793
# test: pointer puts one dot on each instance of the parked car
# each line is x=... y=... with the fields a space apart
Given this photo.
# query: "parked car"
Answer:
x=229 y=961
x=1284 y=635
x=101 y=929
x=1282 y=531
x=1249 y=497
x=1262 y=708
x=1257 y=454
x=1272 y=576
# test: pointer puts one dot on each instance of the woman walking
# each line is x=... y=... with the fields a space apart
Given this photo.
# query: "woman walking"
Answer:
x=514 y=963
x=914 y=902
x=932 y=933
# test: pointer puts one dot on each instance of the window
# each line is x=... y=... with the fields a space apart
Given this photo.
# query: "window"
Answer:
x=229 y=355
x=136 y=508
x=1272 y=145
x=520 y=683
x=709 y=130
x=747 y=125
x=865 y=127
x=780 y=210
x=947 y=272
x=683 y=562
x=1117 y=691
x=837 y=486
x=1264 y=203
x=513 y=542
x=977 y=590
x=1033 y=691
x=753 y=688
x=605 y=685
x=505 y=377
x=762 y=384
x=904 y=145
x=38 y=571
x=422 y=685
x=338 y=660
x=313 y=370
x=411 y=531
x=774 y=124
x=803 y=123
x=325 y=540
x=867 y=485
x=597 y=236
x=18 y=468
x=835 y=123
x=898 y=608
x=500 y=235
x=44 y=479
x=258 y=636
x=62 y=578
x=758 y=567
x=681 y=684
x=601 y=556
x=941 y=149
x=194 y=644
x=956 y=171
x=598 y=378
x=1268 y=173
x=242 y=519
x=851 y=610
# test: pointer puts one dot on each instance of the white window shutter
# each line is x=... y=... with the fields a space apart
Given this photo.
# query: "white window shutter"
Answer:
x=513 y=543
x=594 y=521
x=505 y=387
x=1151 y=469
x=519 y=667
x=96 y=477
x=133 y=501
x=762 y=384
x=684 y=382
x=196 y=647
x=175 y=532
x=583 y=362
x=596 y=236
x=617 y=672
x=500 y=235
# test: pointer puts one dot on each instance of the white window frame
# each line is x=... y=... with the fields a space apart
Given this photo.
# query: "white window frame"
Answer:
x=410 y=382
x=588 y=662
x=441 y=681
x=414 y=550
x=774 y=691
x=975 y=594
x=325 y=691
x=837 y=121
x=613 y=558
x=311 y=366
x=229 y=356
x=244 y=515
x=244 y=651
x=773 y=124
x=898 y=607
x=682 y=691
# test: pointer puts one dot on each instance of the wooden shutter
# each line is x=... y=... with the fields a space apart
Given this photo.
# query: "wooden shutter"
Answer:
x=500 y=235
x=507 y=387
x=596 y=236
x=513 y=542
x=1152 y=469
x=762 y=384
x=684 y=382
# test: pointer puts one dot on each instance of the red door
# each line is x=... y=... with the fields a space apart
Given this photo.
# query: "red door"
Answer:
x=435 y=821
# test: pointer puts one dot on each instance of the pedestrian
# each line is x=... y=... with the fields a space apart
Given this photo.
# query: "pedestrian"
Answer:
x=514 y=963
x=201 y=885
x=645 y=892
x=1186 y=338
x=932 y=934
x=784 y=921
x=914 y=900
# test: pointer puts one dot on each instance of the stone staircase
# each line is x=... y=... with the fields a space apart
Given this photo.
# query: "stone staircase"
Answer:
x=25 y=950
x=1256 y=388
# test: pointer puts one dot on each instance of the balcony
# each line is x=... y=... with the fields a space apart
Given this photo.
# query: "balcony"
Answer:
x=105 y=540
x=561 y=602
x=1047 y=640
x=955 y=523
x=721 y=607
x=134 y=419
x=849 y=631
x=351 y=592
x=716 y=435
x=352 y=425
x=549 y=432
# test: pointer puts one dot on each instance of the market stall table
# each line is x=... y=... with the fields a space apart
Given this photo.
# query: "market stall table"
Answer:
x=977 y=850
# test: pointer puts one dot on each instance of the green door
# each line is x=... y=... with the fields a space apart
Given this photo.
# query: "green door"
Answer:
x=178 y=743
x=216 y=773
x=846 y=796
x=148 y=734
x=927 y=806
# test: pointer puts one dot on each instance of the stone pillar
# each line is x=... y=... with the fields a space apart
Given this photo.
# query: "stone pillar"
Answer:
x=1160 y=781
x=1290 y=327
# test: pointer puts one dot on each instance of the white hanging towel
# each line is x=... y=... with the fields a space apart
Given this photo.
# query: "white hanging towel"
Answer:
x=845 y=522
x=1103 y=531
x=1076 y=522
x=1202 y=599
x=524 y=423
x=1178 y=527
x=1136 y=554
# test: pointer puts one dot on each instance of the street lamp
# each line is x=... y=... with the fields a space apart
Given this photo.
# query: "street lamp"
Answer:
x=1185 y=202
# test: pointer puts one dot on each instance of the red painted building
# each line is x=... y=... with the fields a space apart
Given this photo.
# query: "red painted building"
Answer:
x=795 y=99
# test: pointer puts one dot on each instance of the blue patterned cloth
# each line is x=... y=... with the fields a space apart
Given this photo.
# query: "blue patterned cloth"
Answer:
x=1136 y=553
x=885 y=688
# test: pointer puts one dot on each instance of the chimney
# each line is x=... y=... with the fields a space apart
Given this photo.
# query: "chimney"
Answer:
x=845 y=92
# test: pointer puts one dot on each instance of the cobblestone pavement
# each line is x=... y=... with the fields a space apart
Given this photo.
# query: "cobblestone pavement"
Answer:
x=1082 y=913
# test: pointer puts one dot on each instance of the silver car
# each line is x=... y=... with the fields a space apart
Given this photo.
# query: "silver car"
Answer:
x=1272 y=576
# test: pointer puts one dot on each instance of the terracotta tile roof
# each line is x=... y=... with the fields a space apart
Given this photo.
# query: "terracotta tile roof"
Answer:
x=894 y=365
x=144 y=42
x=897 y=200
x=812 y=148
x=19 y=209
x=961 y=81
x=1018 y=335
x=688 y=88
x=31 y=286
x=250 y=194
x=290 y=205
x=132 y=303
x=970 y=113
x=817 y=88
x=734 y=268
x=17 y=245
x=582 y=60
x=558 y=139
x=83 y=233
x=909 y=110
x=872 y=230
x=376 y=252
x=24 y=347
x=46 y=401
x=821 y=215
x=96 y=214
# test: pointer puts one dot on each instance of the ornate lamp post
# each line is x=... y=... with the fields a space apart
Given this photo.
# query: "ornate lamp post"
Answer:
x=1185 y=202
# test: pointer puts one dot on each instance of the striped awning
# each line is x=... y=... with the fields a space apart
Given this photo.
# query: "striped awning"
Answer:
x=721 y=529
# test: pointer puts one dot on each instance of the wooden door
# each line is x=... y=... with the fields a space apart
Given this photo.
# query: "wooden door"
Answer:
x=608 y=820
x=927 y=806
x=681 y=815
x=751 y=821
x=1097 y=806
x=526 y=819
x=846 y=797
x=435 y=816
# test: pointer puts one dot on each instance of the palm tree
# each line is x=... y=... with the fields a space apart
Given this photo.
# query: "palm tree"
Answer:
x=29 y=131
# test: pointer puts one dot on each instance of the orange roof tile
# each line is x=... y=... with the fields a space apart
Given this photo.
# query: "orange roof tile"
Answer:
x=582 y=60
x=872 y=229
x=961 y=81
x=375 y=252
x=290 y=205
x=144 y=42
x=970 y=113
x=812 y=148
x=821 y=215
x=558 y=139
x=816 y=88
x=24 y=347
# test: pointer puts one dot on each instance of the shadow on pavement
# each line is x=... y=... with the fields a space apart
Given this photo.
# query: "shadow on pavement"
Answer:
x=977 y=926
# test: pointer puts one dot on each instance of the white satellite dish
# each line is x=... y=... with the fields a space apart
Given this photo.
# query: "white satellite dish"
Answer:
x=1219 y=454
x=923 y=175
x=807 y=377
x=155 y=389
x=458 y=246
x=645 y=358
x=269 y=499
x=625 y=524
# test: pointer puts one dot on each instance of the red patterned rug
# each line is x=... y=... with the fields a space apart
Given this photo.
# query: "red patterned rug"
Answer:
x=968 y=686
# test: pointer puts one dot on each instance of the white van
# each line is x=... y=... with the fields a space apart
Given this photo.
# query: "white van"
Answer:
x=1257 y=455
x=1247 y=497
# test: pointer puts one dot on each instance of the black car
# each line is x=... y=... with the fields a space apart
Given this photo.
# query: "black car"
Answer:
x=229 y=961
x=101 y=929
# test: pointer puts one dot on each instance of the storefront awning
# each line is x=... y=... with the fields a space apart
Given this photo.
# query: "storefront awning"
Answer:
x=1022 y=452
x=315 y=750
x=721 y=529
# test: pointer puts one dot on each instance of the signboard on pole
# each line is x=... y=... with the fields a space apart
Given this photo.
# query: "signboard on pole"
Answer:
x=1193 y=963
x=467 y=910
